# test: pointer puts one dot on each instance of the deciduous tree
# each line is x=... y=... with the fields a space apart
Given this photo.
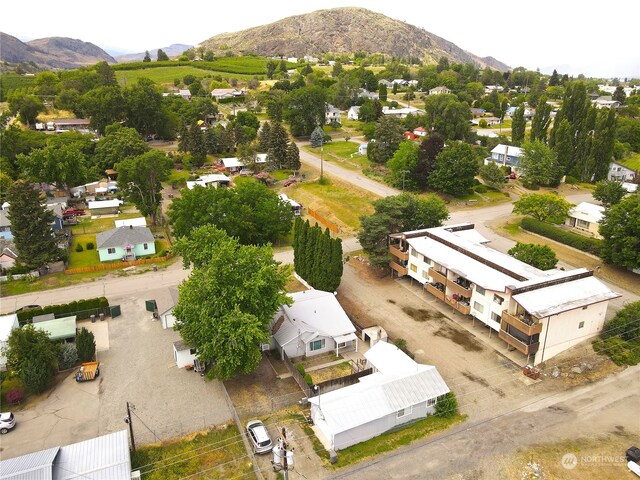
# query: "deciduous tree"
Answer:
x=541 y=120
x=492 y=175
x=388 y=136
x=429 y=149
x=539 y=165
x=402 y=166
x=455 y=170
x=609 y=192
x=32 y=356
x=539 y=256
x=620 y=229
x=546 y=207
x=447 y=116
x=518 y=125
x=119 y=143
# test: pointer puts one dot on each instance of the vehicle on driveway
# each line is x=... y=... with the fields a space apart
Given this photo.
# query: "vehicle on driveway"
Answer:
x=259 y=437
x=7 y=422
x=88 y=371
x=27 y=307
x=290 y=181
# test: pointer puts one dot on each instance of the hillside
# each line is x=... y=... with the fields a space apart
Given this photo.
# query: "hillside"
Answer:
x=51 y=52
x=344 y=30
x=173 y=50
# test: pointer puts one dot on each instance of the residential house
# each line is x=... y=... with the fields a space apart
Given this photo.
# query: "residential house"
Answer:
x=125 y=243
x=528 y=112
x=216 y=180
x=539 y=313
x=164 y=307
x=606 y=102
x=489 y=120
x=8 y=255
x=292 y=60
x=314 y=324
x=399 y=112
x=57 y=206
x=232 y=164
x=439 y=91
x=493 y=88
x=184 y=354
x=409 y=135
x=7 y=324
x=420 y=131
x=5 y=224
x=104 y=457
x=68 y=124
x=401 y=82
x=619 y=172
x=332 y=114
x=128 y=222
x=386 y=83
x=412 y=83
x=586 y=217
x=224 y=93
x=296 y=208
x=398 y=392
x=58 y=328
x=104 y=207
x=353 y=113
x=362 y=148
x=185 y=93
x=364 y=93
x=478 y=112
x=505 y=155
x=310 y=59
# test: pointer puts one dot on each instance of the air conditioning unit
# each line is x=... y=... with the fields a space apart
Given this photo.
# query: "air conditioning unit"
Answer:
x=135 y=475
x=265 y=347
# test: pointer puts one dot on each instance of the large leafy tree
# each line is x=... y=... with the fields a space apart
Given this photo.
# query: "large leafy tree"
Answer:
x=609 y=192
x=397 y=214
x=539 y=256
x=539 y=164
x=541 y=120
x=492 y=175
x=118 y=144
x=305 y=109
x=141 y=178
x=546 y=207
x=144 y=107
x=455 y=170
x=388 y=136
x=31 y=226
x=370 y=111
x=64 y=165
x=32 y=356
x=104 y=106
x=402 y=166
x=26 y=107
x=448 y=116
x=620 y=229
x=229 y=299
x=518 y=126
x=427 y=154
x=251 y=212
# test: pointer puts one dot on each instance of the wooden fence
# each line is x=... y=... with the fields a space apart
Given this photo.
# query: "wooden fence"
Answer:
x=110 y=266
x=332 y=226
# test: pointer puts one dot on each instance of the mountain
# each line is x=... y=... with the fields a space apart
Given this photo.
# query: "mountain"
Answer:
x=52 y=52
x=172 y=50
x=344 y=30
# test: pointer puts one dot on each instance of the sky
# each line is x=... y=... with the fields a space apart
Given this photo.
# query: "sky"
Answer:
x=572 y=36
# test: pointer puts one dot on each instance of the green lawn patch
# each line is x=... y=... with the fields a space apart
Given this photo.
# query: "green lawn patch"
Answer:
x=85 y=258
x=97 y=225
x=281 y=174
x=631 y=162
x=159 y=75
x=178 y=177
x=342 y=152
x=218 y=452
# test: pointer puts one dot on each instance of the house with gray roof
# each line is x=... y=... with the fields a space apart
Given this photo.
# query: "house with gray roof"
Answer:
x=125 y=243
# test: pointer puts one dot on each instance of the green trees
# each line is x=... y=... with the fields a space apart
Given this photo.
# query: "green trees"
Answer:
x=104 y=106
x=32 y=356
x=541 y=120
x=119 y=143
x=251 y=212
x=447 y=405
x=388 y=135
x=492 y=175
x=403 y=164
x=429 y=149
x=316 y=256
x=539 y=165
x=619 y=337
x=26 y=107
x=64 y=165
x=563 y=146
x=447 y=116
x=305 y=109
x=370 y=111
x=609 y=192
x=144 y=107
x=619 y=95
x=229 y=299
x=397 y=214
x=545 y=207
x=278 y=143
x=141 y=178
x=517 y=126
x=86 y=345
x=620 y=229
x=263 y=137
x=293 y=157
x=539 y=256
x=317 y=137
x=596 y=166
x=382 y=92
x=455 y=169
x=147 y=57
x=162 y=57
x=31 y=226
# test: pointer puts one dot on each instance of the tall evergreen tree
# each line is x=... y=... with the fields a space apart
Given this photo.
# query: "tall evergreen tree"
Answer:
x=382 y=92
x=427 y=153
x=335 y=266
x=263 y=137
x=517 y=126
x=31 y=226
x=317 y=137
x=162 y=56
x=297 y=233
x=554 y=80
x=619 y=95
x=602 y=146
x=147 y=57
x=305 y=235
x=564 y=146
x=541 y=120
x=321 y=256
x=278 y=140
x=293 y=157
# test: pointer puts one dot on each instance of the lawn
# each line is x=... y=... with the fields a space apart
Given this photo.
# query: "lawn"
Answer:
x=218 y=452
x=345 y=153
x=160 y=74
x=85 y=258
x=97 y=225
x=632 y=162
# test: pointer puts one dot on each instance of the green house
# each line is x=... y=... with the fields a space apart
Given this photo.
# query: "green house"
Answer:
x=125 y=243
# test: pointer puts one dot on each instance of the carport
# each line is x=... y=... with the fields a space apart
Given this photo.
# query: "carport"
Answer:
x=59 y=328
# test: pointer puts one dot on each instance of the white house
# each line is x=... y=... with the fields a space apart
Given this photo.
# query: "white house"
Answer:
x=215 y=179
x=353 y=113
x=399 y=112
x=399 y=391
x=439 y=90
x=223 y=93
x=505 y=155
x=314 y=324
x=586 y=217
x=125 y=243
x=362 y=148
x=7 y=324
x=367 y=94
x=232 y=164
x=619 y=172
x=605 y=102
x=104 y=207
x=183 y=354
x=539 y=313
x=332 y=114
x=420 y=131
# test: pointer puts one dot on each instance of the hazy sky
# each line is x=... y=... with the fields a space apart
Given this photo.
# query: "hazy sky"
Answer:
x=573 y=36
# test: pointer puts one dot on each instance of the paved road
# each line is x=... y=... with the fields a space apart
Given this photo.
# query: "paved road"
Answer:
x=587 y=411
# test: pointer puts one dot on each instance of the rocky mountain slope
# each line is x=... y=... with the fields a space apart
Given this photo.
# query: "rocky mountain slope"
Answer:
x=173 y=50
x=344 y=30
x=52 y=52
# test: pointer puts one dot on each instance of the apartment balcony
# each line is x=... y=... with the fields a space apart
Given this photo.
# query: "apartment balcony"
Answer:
x=396 y=252
x=402 y=270
x=459 y=289
x=434 y=291
x=437 y=276
x=518 y=344
x=462 y=307
x=528 y=328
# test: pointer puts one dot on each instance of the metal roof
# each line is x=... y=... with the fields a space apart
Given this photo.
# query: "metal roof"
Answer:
x=33 y=466
x=7 y=324
x=118 y=237
x=59 y=328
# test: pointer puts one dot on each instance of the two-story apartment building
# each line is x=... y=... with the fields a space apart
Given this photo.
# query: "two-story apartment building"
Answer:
x=539 y=313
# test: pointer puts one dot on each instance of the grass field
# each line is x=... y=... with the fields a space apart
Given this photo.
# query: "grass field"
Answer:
x=85 y=258
x=159 y=75
x=345 y=153
x=97 y=225
x=632 y=162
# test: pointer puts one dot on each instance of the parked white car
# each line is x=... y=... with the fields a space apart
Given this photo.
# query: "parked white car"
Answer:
x=259 y=437
x=7 y=422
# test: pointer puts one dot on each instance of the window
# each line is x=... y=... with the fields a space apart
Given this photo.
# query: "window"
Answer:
x=581 y=324
x=583 y=224
x=414 y=253
x=145 y=246
x=316 y=345
x=343 y=344
x=414 y=268
x=498 y=299
x=480 y=290
x=404 y=412
x=425 y=274
x=431 y=402
x=427 y=260
x=111 y=251
x=478 y=307
x=495 y=317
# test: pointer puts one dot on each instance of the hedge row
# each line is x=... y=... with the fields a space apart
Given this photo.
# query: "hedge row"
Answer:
x=586 y=244
x=81 y=308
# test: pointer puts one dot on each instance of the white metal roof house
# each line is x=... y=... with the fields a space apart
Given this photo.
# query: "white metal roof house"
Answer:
x=314 y=324
x=214 y=179
x=100 y=458
x=586 y=217
x=399 y=391
x=136 y=222
x=539 y=313
x=399 y=112
x=333 y=114
x=439 y=90
x=296 y=208
x=7 y=324
x=619 y=172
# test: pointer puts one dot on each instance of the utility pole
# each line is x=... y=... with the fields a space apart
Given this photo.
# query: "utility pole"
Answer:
x=281 y=454
x=285 y=464
x=129 y=421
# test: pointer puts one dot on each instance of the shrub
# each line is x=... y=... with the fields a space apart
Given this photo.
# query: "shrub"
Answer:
x=12 y=383
x=79 y=248
x=90 y=246
x=401 y=343
x=73 y=307
x=86 y=345
x=308 y=380
x=300 y=369
x=14 y=396
x=447 y=405
x=481 y=189
x=586 y=244
x=36 y=374
x=571 y=180
x=67 y=356
x=529 y=185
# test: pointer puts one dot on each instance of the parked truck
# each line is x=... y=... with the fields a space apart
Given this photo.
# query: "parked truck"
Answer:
x=88 y=371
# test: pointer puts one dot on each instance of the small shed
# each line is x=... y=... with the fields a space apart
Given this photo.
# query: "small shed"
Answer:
x=164 y=307
x=183 y=354
x=58 y=329
x=131 y=222
x=104 y=207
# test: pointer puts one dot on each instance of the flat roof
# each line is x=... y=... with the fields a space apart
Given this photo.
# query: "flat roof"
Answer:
x=59 y=328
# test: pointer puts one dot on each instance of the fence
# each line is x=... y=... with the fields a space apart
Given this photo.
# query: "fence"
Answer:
x=336 y=383
x=110 y=266
x=296 y=375
x=145 y=435
x=332 y=226
x=269 y=405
